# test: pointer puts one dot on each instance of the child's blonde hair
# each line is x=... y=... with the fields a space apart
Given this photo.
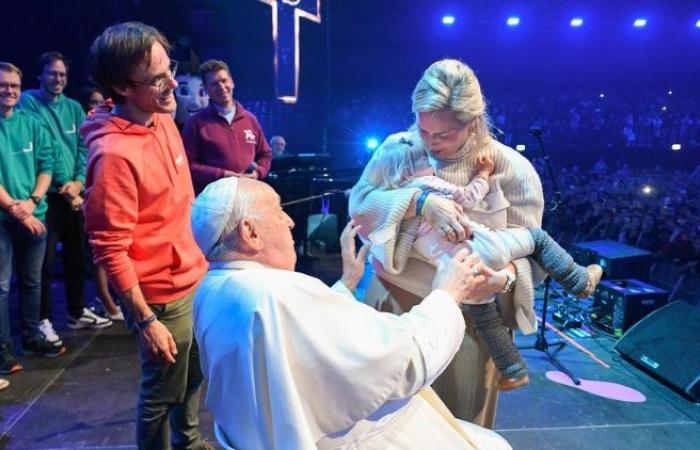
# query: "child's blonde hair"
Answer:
x=394 y=161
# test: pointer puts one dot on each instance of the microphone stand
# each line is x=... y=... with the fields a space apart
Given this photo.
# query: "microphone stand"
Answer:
x=541 y=343
x=313 y=197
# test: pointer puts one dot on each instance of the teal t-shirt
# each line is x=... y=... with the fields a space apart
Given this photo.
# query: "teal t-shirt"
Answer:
x=26 y=150
x=63 y=118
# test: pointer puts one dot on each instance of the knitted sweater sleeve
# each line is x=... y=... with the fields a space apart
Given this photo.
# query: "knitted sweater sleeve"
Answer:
x=381 y=214
x=523 y=190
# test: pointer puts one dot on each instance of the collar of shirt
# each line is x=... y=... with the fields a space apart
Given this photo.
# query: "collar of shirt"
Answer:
x=227 y=114
x=240 y=264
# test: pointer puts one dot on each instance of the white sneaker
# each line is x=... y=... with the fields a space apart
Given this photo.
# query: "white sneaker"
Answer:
x=88 y=320
x=116 y=317
x=46 y=328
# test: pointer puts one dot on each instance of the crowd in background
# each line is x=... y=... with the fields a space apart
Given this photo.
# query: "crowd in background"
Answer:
x=652 y=209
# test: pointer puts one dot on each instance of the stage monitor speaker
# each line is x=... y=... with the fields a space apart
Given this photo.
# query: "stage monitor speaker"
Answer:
x=617 y=260
x=665 y=345
x=619 y=304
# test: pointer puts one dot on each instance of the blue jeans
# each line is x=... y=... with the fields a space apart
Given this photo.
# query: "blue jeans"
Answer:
x=28 y=252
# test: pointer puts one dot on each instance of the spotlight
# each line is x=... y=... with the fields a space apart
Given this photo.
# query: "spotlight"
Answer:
x=513 y=21
x=670 y=92
x=697 y=24
x=602 y=95
x=640 y=22
x=372 y=143
x=448 y=20
x=663 y=108
x=520 y=147
x=676 y=147
x=647 y=190
x=576 y=22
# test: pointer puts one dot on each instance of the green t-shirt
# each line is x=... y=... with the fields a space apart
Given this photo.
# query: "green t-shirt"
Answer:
x=63 y=118
x=26 y=151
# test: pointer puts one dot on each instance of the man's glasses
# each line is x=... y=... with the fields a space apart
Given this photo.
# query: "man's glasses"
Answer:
x=10 y=86
x=161 y=81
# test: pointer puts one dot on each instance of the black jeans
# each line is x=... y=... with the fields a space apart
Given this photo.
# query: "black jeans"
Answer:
x=66 y=226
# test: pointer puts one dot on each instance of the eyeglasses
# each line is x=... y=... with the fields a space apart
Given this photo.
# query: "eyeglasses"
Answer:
x=161 y=81
x=56 y=74
x=10 y=86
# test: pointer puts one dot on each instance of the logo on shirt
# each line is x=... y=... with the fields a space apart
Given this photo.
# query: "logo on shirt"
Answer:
x=72 y=130
x=249 y=136
x=29 y=149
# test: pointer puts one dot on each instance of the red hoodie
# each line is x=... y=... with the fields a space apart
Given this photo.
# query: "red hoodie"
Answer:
x=137 y=206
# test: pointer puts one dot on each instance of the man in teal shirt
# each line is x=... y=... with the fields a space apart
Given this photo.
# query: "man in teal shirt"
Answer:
x=26 y=164
x=64 y=219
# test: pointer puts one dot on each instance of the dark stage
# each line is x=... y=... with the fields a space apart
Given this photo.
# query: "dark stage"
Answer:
x=86 y=399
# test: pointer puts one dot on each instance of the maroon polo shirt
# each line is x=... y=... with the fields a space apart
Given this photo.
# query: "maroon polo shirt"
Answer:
x=213 y=146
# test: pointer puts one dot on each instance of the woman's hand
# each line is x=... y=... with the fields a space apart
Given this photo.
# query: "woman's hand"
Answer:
x=353 y=263
x=448 y=217
x=494 y=282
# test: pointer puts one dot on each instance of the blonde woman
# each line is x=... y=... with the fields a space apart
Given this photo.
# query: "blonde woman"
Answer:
x=453 y=126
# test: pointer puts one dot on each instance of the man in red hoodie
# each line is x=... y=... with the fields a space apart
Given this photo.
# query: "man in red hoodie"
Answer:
x=137 y=214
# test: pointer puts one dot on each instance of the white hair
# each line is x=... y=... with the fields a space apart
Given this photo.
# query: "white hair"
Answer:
x=450 y=85
x=244 y=207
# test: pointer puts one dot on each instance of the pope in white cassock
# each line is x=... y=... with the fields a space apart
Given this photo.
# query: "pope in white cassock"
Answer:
x=294 y=364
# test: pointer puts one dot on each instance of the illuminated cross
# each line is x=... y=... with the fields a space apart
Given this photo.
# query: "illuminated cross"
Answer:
x=285 y=36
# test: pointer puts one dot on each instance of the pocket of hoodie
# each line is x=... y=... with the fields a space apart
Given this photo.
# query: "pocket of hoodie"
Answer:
x=182 y=262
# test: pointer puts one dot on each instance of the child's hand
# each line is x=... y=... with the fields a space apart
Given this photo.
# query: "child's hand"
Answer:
x=484 y=166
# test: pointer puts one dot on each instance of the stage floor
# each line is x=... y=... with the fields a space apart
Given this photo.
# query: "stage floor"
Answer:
x=86 y=399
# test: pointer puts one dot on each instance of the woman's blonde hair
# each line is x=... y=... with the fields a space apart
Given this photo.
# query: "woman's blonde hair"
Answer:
x=450 y=85
x=394 y=161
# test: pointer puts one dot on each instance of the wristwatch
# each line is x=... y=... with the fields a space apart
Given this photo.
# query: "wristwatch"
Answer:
x=510 y=282
x=36 y=199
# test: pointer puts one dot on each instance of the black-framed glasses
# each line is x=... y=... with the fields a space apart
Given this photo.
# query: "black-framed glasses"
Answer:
x=161 y=81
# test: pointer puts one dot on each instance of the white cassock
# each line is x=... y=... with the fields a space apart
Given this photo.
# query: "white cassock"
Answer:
x=294 y=364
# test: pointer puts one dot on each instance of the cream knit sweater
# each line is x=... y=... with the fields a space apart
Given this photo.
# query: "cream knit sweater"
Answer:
x=515 y=200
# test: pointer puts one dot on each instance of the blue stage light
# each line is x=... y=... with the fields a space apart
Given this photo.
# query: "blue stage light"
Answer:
x=576 y=22
x=513 y=21
x=676 y=147
x=697 y=24
x=640 y=22
x=372 y=143
x=448 y=20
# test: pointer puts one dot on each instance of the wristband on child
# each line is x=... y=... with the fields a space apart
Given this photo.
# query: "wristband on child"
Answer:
x=420 y=203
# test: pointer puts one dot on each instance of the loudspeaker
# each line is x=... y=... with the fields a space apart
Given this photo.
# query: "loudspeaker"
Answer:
x=665 y=345
x=619 y=304
x=617 y=260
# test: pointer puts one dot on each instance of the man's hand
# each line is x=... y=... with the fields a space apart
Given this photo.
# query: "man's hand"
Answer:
x=459 y=277
x=35 y=226
x=448 y=217
x=353 y=264
x=22 y=209
x=158 y=343
x=484 y=166
x=70 y=190
x=77 y=203
x=231 y=173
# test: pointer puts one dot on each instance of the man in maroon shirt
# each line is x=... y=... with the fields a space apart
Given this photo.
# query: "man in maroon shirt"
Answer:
x=224 y=139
